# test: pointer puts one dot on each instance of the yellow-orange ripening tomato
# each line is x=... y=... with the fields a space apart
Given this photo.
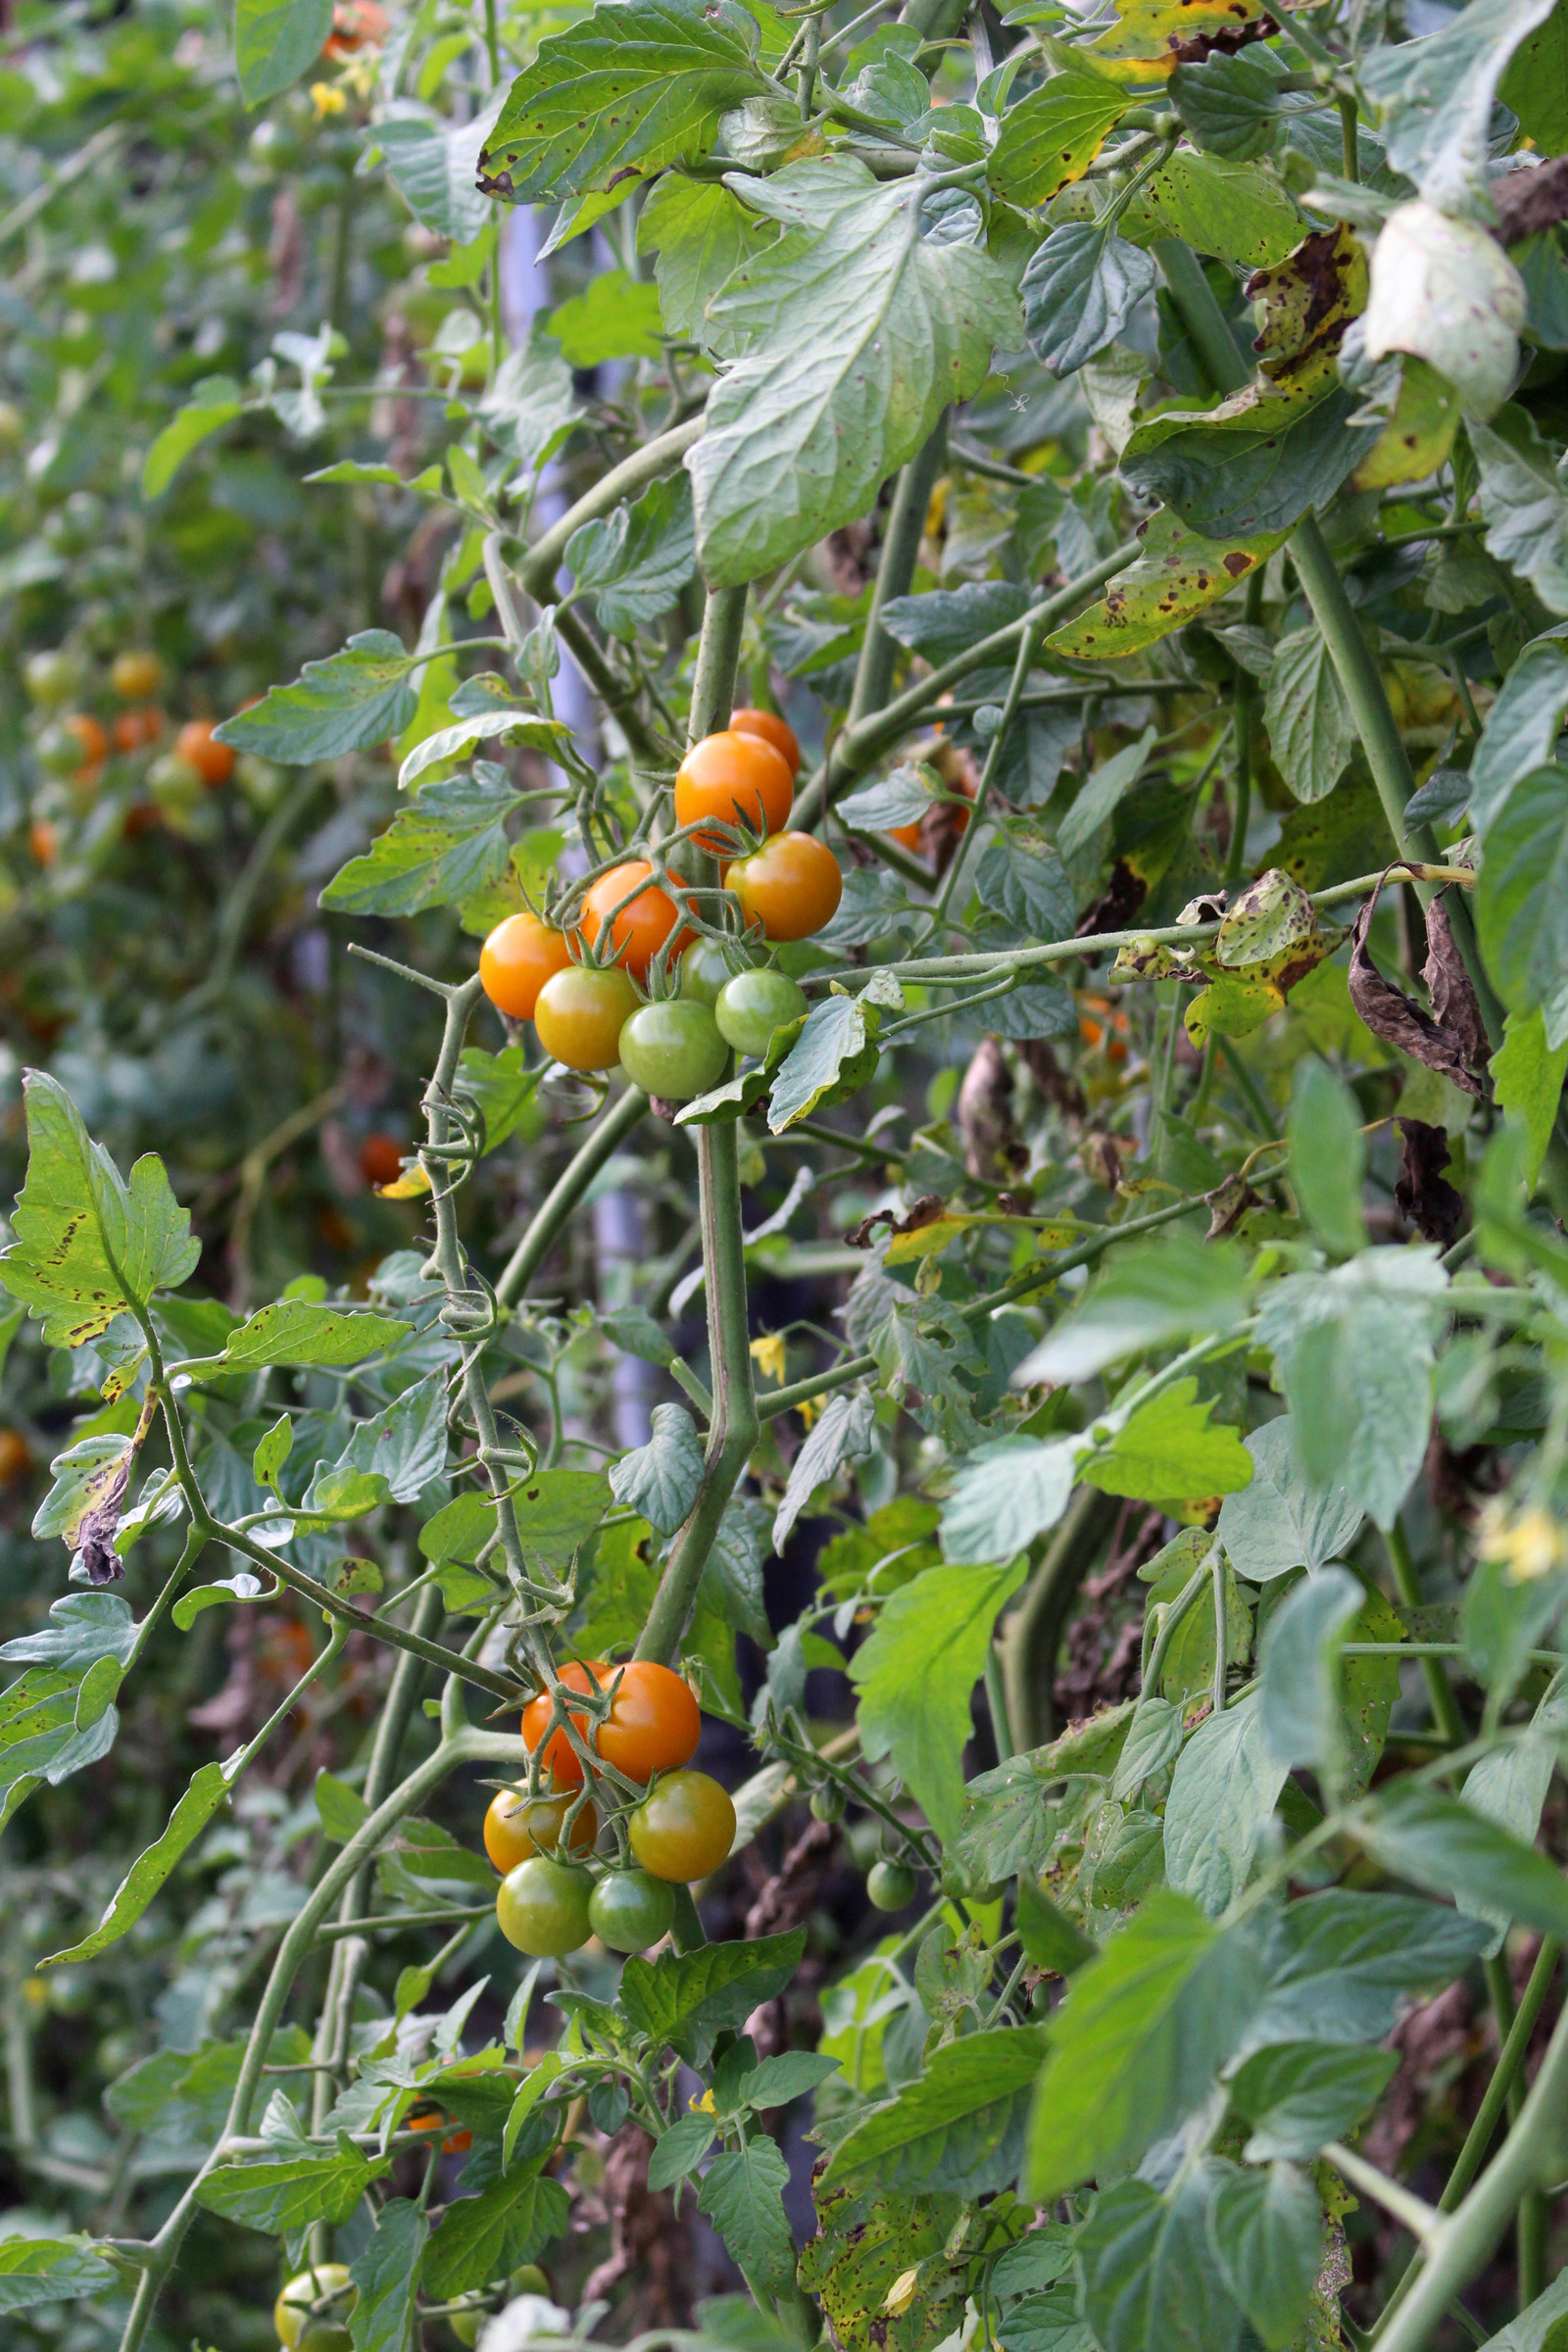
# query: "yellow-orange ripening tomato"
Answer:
x=213 y=761
x=684 y=1828
x=580 y=1015
x=792 y=885
x=16 y=1456
x=518 y=1825
x=356 y=24
x=135 y=676
x=517 y=960
x=739 y=780
x=642 y=927
x=772 y=729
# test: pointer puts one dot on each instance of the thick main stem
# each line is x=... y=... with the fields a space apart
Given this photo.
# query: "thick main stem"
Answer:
x=734 y=1428
x=1533 y=2155
x=1032 y=1634
x=895 y=572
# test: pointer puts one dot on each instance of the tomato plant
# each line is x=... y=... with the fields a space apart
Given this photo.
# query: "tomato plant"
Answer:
x=1066 y=1438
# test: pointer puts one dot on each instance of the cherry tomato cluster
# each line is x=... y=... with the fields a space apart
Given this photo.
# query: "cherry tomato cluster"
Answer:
x=590 y=1015
x=74 y=745
x=550 y=1903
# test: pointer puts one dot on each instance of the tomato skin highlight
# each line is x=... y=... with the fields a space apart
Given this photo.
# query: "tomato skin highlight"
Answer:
x=518 y=1825
x=580 y=1014
x=772 y=729
x=753 y=1004
x=629 y=1910
x=736 y=779
x=673 y=1050
x=792 y=885
x=684 y=1828
x=653 y=1726
x=291 y=2313
x=542 y=1907
x=517 y=960
x=213 y=761
x=641 y=927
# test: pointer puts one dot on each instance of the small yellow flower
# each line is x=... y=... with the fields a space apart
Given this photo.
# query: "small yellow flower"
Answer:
x=809 y=1410
x=900 y=2294
x=1531 y=1544
x=767 y=1353
x=704 y=2105
x=327 y=100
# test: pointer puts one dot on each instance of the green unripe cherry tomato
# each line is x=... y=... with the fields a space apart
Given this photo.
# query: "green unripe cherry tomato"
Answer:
x=684 y=1827
x=753 y=1004
x=827 y=1803
x=327 y=2283
x=542 y=1907
x=325 y=2335
x=51 y=678
x=465 y=2324
x=704 y=970
x=629 y=1910
x=673 y=1050
x=12 y=426
x=175 y=784
x=529 y=2281
x=890 y=1886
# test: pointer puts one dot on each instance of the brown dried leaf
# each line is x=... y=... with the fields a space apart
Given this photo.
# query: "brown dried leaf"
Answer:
x=1390 y=1014
x=1426 y=1201
x=1451 y=990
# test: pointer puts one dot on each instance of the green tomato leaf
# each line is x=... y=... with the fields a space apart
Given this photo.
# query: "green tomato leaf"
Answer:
x=1222 y=1796
x=849 y=337
x=916 y=1672
x=619 y=94
x=354 y=699
x=742 y=2196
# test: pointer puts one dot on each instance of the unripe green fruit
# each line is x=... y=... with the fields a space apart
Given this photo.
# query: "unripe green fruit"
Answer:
x=827 y=1803
x=51 y=677
x=890 y=1886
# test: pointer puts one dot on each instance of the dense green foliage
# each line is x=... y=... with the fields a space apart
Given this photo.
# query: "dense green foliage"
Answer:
x=1080 y=1398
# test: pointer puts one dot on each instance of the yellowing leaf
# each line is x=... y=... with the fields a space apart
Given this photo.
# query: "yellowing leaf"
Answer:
x=412 y=1185
x=1175 y=578
x=1151 y=38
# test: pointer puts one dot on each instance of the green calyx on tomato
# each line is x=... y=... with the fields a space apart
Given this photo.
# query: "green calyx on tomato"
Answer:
x=629 y=1910
x=542 y=1907
x=684 y=1827
x=673 y=1050
x=753 y=1004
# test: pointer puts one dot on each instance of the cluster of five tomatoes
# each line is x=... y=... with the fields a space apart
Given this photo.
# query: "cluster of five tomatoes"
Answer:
x=681 y=1830
x=590 y=1015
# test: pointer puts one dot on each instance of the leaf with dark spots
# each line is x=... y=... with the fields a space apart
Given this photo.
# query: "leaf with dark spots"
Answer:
x=1391 y=1015
x=1426 y=1199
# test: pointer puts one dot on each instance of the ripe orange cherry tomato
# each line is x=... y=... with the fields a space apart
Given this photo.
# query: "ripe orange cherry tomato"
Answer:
x=135 y=676
x=380 y=1159
x=517 y=960
x=685 y=1828
x=772 y=729
x=43 y=840
x=213 y=761
x=132 y=730
x=580 y=1014
x=739 y=779
x=518 y=1825
x=791 y=885
x=653 y=1723
x=642 y=927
